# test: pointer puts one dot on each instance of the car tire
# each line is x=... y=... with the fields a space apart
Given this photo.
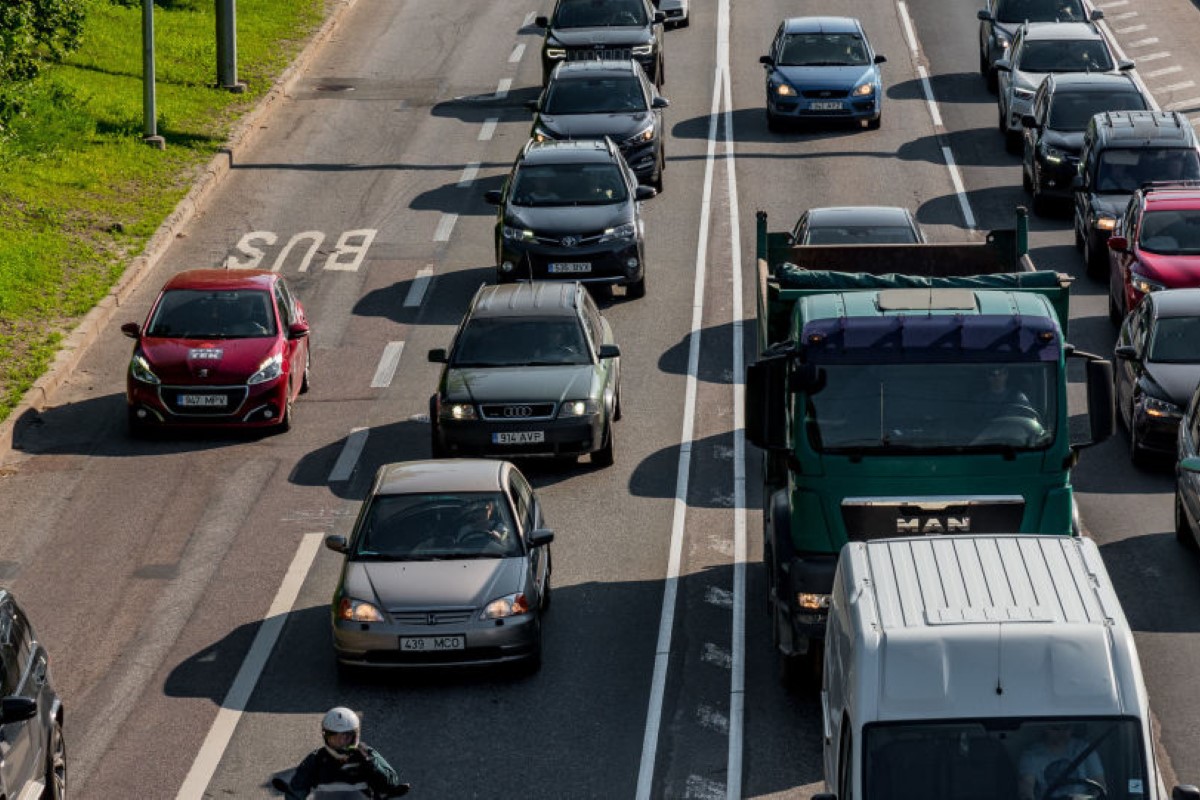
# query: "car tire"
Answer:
x=605 y=456
x=1114 y=311
x=657 y=182
x=1040 y=204
x=1137 y=456
x=137 y=428
x=1183 y=529
x=436 y=450
x=984 y=67
x=874 y=124
x=1078 y=240
x=774 y=124
x=617 y=411
x=547 y=594
x=1096 y=268
x=686 y=21
x=1012 y=142
x=305 y=382
x=1027 y=181
x=801 y=674
x=285 y=424
x=637 y=288
x=1000 y=117
x=56 y=765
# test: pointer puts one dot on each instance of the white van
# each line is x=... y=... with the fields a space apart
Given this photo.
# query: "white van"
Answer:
x=983 y=667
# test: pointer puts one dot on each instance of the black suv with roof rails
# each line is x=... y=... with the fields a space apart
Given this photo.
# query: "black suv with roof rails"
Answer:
x=1122 y=150
x=586 y=30
x=533 y=370
x=571 y=210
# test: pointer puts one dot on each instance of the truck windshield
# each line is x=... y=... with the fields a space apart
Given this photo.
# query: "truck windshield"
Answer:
x=930 y=407
x=1043 y=759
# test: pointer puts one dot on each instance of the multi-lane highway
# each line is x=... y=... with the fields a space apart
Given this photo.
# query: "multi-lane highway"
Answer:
x=150 y=567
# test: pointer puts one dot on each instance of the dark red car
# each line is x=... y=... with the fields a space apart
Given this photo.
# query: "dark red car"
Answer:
x=1156 y=245
x=219 y=348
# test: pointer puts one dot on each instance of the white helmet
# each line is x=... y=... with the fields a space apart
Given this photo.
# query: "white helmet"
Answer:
x=337 y=721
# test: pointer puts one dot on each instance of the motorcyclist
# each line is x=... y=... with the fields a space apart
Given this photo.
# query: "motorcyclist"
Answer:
x=344 y=762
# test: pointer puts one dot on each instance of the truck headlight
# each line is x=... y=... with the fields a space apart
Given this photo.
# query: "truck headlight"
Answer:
x=139 y=368
x=578 y=408
x=269 y=370
x=812 y=602
x=863 y=90
x=457 y=411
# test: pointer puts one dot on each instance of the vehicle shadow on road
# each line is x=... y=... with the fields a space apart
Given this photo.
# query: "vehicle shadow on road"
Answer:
x=442 y=304
x=398 y=441
x=1155 y=559
x=477 y=108
x=977 y=147
x=454 y=199
x=716 y=346
x=750 y=125
x=655 y=475
x=954 y=87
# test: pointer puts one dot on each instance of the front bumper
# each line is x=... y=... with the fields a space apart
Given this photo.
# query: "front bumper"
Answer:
x=609 y=263
x=562 y=437
x=258 y=406
x=1156 y=435
x=801 y=107
x=377 y=644
x=1055 y=180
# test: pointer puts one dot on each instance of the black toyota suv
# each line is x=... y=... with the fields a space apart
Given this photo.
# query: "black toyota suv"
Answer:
x=1053 y=131
x=1122 y=150
x=594 y=99
x=571 y=210
x=533 y=370
x=585 y=30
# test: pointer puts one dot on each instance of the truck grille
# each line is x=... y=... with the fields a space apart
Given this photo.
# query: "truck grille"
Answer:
x=887 y=517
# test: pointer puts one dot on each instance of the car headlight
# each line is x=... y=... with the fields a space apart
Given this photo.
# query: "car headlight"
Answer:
x=864 y=90
x=540 y=134
x=642 y=49
x=1022 y=94
x=457 y=411
x=1145 y=285
x=784 y=90
x=1106 y=223
x=1052 y=155
x=556 y=52
x=516 y=234
x=268 y=370
x=508 y=606
x=641 y=137
x=352 y=610
x=625 y=231
x=578 y=408
x=1160 y=409
x=139 y=368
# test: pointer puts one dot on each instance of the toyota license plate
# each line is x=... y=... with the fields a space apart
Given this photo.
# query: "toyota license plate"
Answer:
x=823 y=105
x=560 y=268
x=432 y=644
x=519 y=437
x=202 y=400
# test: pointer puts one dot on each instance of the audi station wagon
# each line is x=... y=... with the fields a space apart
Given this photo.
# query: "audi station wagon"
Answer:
x=219 y=348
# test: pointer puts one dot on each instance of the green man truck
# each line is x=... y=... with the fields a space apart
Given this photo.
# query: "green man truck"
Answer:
x=901 y=390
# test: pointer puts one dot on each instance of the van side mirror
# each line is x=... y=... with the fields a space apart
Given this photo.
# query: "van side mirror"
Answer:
x=660 y=102
x=766 y=403
x=983 y=15
x=659 y=18
x=1185 y=792
x=1125 y=64
x=531 y=105
x=1190 y=464
x=645 y=192
x=297 y=330
x=1003 y=65
x=1029 y=121
x=770 y=62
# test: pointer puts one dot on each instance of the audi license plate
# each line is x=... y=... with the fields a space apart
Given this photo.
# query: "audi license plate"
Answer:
x=824 y=105
x=432 y=644
x=201 y=400
x=519 y=437
x=560 y=267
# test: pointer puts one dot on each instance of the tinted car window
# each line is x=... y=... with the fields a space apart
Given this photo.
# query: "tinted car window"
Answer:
x=1014 y=11
x=420 y=527
x=517 y=342
x=591 y=14
x=568 y=185
x=1175 y=340
x=523 y=499
x=1124 y=170
x=1173 y=232
x=1065 y=56
x=822 y=49
x=1071 y=112
x=860 y=234
x=196 y=314
x=595 y=96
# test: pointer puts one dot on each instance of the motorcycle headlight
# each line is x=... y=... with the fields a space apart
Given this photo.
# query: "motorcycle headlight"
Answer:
x=268 y=370
x=516 y=234
x=556 y=52
x=139 y=368
x=784 y=90
x=625 y=231
x=1106 y=223
x=642 y=49
x=1144 y=284
x=641 y=137
x=578 y=408
x=1161 y=409
x=457 y=411
x=508 y=606
x=352 y=610
x=863 y=90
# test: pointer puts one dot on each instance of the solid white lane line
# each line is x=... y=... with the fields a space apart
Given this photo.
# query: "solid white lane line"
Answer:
x=1158 y=73
x=1132 y=29
x=666 y=624
x=959 y=189
x=503 y=87
x=445 y=226
x=238 y=697
x=416 y=290
x=488 y=129
x=516 y=53
x=346 y=462
x=1149 y=40
x=469 y=173
x=1115 y=4
x=1153 y=57
x=388 y=363
x=1126 y=15
x=1178 y=87
x=910 y=33
x=934 y=113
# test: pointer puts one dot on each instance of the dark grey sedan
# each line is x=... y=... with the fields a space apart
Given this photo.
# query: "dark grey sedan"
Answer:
x=448 y=563
x=857 y=225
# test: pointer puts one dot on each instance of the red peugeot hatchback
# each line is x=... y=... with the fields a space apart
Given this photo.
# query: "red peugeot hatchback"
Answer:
x=1156 y=245
x=219 y=348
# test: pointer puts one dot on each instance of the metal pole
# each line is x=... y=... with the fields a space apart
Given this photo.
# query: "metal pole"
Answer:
x=149 y=112
x=227 y=46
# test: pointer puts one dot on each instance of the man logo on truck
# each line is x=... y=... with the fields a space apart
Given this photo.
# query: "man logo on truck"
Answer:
x=912 y=526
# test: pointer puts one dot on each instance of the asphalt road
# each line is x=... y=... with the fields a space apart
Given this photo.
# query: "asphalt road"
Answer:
x=147 y=567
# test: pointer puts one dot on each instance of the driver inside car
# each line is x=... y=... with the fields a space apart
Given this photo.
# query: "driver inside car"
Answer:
x=1056 y=767
x=483 y=518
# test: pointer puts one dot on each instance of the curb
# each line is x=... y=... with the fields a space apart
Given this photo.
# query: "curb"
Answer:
x=96 y=321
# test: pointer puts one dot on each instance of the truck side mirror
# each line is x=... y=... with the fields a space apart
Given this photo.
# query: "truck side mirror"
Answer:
x=766 y=403
x=1100 y=399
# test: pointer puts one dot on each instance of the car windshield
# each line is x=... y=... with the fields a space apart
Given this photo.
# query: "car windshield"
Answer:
x=432 y=527
x=896 y=408
x=1173 y=232
x=1070 y=55
x=1174 y=341
x=1041 y=758
x=1016 y=11
x=822 y=50
x=611 y=95
x=1123 y=171
x=860 y=234
x=591 y=184
x=520 y=342
x=197 y=314
x=600 y=13
x=1073 y=111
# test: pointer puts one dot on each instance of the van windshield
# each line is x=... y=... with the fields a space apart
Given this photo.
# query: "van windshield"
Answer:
x=1045 y=759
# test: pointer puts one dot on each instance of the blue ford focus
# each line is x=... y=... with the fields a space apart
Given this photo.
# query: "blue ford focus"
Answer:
x=823 y=68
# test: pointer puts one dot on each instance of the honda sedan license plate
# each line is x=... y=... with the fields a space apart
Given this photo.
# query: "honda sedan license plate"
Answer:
x=201 y=400
x=519 y=437
x=825 y=106
x=572 y=266
x=432 y=644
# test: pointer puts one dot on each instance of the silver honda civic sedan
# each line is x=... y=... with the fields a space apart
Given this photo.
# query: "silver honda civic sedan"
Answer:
x=447 y=564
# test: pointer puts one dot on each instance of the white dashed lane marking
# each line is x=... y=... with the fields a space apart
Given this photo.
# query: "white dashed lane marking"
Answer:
x=343 y=468
x=516 y=53
x=445 y=226
x=1178 y=87
x=488 y=129
x=388 y=363
x=1132 y=29
x=1153 y=57
x=416 y=291
x=503 y=87
x=469 y=173
x=1149 y=40
x=1158 y=73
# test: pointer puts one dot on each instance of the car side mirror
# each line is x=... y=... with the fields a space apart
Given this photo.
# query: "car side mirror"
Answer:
x=531 y=105
x=1003 y=65
x=1097 y=14
x=1125 y=64
x=492 y=197
x=983 y=15
x=659 y=18
x=337 y=543
x=770 y=62
x=1118 y=244
x=645 y=192
x=131 y=329
x=297 y=330
x=437 y=355
x=541 y=22
x=660 y=102
x=879 y=59
x=1126 y=352
x=1029 y=120
x=609 y=351
x=540 y=537
x=17 y=709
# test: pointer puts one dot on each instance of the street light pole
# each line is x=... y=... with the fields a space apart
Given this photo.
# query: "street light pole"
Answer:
x=149 y=112
x=227 y=46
